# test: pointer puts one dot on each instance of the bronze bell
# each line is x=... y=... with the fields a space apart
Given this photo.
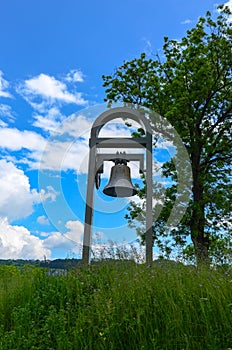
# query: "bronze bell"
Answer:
x=120 y=184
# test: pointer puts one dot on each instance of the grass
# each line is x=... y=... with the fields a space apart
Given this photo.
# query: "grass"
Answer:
x=116 y=306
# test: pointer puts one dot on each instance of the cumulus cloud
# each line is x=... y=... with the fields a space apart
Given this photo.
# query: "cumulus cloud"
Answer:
x=77 y=125
x=117 y=128
x=72 y=150
x=44 y=90
x=57 y=153
x=16 y=242
x=49 y=122
x=65 y=156
x=4 y=85
x=55 y=123
x=14 y=139
x=75 y=230
x=71 y=240
x=67 y=148
x=17 y=198
x=56 y=240
x=30 y=143
x=49 y=87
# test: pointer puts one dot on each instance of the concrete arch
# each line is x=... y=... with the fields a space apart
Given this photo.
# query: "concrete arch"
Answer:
x=120 y=112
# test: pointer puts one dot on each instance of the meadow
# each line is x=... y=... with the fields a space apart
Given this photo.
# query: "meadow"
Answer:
x=116 y=306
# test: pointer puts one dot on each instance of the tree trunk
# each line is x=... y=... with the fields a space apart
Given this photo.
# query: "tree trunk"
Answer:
x=201 y=246
x=197 y=226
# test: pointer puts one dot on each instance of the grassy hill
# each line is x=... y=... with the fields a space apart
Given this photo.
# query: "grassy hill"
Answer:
x=116 y=306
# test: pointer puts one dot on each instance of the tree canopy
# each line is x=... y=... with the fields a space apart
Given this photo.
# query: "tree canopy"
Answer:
x=190 y=85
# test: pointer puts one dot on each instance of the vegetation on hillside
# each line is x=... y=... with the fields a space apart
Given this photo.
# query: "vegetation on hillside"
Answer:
x=116 y=306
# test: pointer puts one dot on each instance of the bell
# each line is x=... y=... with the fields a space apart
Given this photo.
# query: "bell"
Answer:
x=120 y=184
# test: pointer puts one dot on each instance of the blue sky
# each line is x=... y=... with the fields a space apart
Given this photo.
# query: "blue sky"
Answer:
x=53 y=56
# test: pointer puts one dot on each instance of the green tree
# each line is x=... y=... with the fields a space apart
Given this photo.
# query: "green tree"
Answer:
x=191 y=87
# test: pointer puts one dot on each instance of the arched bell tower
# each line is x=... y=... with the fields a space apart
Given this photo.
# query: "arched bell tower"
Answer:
x=120 y=184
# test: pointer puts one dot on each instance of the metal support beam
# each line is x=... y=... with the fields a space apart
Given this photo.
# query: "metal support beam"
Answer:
x=89 y=207
x=149 y=195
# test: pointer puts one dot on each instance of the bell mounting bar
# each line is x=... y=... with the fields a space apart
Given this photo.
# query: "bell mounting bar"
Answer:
x=125 y=142
x=136 y=157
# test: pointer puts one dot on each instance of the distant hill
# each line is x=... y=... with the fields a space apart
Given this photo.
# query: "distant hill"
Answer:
x=53 y=264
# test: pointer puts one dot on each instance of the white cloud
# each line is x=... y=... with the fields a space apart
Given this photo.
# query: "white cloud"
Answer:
x=116 y=128
x=2 y=124
x=71 y=240
x=65 y=155
x=6 y=112
x=16 y=242
x=43 y=220
x=50 y=194
x=74 y=153
x=76 y=230
x=4 y=85
x=68 y=146
x=58 y=154
x=49 y=122
x=56 y=240
x=44 y=90
x=74 y=226
x=75 y=76
x=14 y=139
x=57 y=124
x=17 y=198
x=76 y=126
x=229 y=4
x=167 y=145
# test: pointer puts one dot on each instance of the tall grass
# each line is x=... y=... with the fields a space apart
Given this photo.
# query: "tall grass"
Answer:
x=117 y=305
